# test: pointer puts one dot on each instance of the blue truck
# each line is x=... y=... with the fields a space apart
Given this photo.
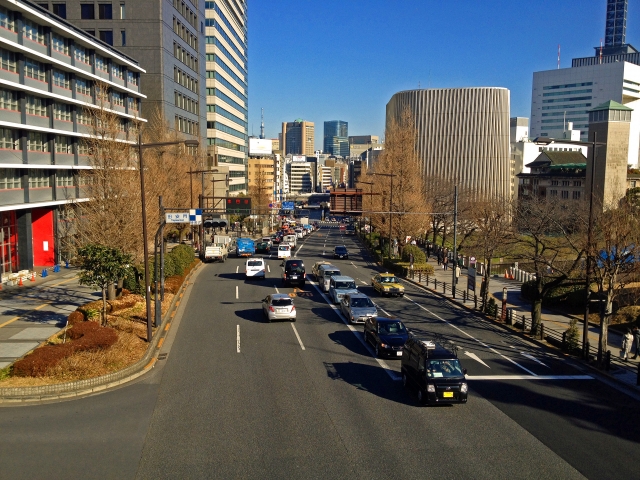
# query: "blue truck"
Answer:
x=245 y=247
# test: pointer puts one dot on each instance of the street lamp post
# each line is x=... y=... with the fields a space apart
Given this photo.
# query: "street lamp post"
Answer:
x=593 y=144
x=390 y=175
x=145 y=246
x=371 y=205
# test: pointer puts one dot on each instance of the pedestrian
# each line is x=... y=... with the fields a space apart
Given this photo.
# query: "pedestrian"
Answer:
x=440 y=257
x=626 y=345
x=457 y=273
x=445 y=262
x=636 y=340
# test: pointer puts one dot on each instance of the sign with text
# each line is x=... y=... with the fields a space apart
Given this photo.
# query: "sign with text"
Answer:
x=182 y=217
x=238 y=205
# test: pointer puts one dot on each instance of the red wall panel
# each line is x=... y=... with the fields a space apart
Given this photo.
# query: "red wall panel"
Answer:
x=42 y=228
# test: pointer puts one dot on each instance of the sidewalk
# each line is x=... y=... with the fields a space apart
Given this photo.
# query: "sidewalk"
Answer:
x=31 y=313
x=555 y=322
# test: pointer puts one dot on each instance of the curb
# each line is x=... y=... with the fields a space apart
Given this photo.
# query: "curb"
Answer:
x=80 y=388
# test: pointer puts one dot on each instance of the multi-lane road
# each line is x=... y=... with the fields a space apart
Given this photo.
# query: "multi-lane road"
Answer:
x=237 y=397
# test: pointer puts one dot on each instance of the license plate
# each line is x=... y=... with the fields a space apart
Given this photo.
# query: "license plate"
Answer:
x=282 y=310
x=399 y=353
x=447 y=394
x=293 y=277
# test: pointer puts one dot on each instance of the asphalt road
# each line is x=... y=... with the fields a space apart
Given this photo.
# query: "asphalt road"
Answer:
x=238 y=397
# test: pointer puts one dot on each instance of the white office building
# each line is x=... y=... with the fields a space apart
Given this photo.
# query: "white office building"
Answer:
x=565 y=95
x=300 y=177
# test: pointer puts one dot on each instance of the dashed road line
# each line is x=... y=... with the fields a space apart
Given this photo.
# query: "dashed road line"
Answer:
x=297 y=336
x=236 y=292
x=238 y=338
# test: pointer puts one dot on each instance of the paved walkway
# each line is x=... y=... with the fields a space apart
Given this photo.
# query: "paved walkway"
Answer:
x=557 y=322
x=31 y=313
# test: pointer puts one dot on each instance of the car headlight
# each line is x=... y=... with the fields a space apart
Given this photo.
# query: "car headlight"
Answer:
x=464 y=388
x=431 y=388
x=383 y=345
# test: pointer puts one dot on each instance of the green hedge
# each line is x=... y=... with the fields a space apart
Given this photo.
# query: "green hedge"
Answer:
x=403 y=268
x=418 y=255
x=567 y=295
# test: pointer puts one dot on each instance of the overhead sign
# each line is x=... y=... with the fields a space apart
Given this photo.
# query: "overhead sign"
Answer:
x=298 y=158
x=195 y=216
x=258 y=146
x=238 y=205
x=182 y=217
x=288 y=205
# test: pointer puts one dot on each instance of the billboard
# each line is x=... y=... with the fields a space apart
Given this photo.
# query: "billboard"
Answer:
x=298 y=158
x=258 y=146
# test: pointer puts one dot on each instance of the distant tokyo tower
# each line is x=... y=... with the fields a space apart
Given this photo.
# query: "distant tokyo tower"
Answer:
x=262 y=124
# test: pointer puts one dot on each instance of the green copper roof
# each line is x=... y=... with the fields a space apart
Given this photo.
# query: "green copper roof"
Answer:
x=610 y=105
x=568 y=165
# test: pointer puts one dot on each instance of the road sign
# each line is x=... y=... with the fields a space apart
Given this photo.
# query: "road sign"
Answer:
x=182 y=217
x=238 y=205
x=195 y=216
x=288 y=205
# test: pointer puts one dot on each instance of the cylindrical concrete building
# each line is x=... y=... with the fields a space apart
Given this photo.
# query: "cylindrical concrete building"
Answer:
x=463 y=135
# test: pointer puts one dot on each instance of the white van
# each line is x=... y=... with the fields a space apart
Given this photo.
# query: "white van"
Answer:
x=291 y=240
x=284 y=250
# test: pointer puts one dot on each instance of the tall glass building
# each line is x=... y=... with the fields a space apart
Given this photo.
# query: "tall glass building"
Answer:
x=336 y=138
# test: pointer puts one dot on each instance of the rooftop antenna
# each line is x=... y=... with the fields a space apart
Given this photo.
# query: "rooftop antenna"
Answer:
x=558 y=56
x=262 y=123
x=418 y=84
x=600 y=52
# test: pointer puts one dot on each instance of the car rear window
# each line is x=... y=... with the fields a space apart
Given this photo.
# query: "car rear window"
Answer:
x=255 y=263
x=281 y=302
x=341 y=249
x=284 y=248
x=345 y=285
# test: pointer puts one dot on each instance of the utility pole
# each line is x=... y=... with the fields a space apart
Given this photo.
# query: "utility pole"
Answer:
x=455 y=241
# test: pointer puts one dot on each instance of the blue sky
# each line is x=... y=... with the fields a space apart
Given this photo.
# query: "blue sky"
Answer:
x=344 y=59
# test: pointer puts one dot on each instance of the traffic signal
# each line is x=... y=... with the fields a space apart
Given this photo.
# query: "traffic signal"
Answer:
x=238 y=205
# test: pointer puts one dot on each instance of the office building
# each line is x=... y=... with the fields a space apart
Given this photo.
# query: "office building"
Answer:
x=301 y=176
x=297 y=138
x=336 y=138
x=262 y=174
x=470 y=147
x=557 y=175
x=195 y=56
x=48 y=79
x=359 y=144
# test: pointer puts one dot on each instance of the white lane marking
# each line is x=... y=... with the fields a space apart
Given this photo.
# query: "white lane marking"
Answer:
x=237 y=267
x=529 y=377
x=382 y=309
x=277 y=291
x=354 y=266
x=236 y=292
x=531 y=357
x=470 y=336
x=238 y=339
x=297 y=336
x=476 y=358
x=268 y=269
x=394 y=376
x=363 y=282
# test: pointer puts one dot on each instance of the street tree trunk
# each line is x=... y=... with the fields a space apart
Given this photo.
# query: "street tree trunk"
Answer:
x=485 y=291
x=104 y=306
x=536 y=304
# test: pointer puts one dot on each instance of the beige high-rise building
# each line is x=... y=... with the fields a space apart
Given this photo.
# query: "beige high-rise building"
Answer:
x=261 y=173
x=609 y=123
x=298 y=138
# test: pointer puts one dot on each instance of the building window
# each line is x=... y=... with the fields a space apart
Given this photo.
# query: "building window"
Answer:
x=60 y=44
x=83 y=86
x=87 y=11
x=63 y=145
x=33 y=31
x=36 y=106
x=577 y=183
x=122 y=16
x=61 y=79
x=564 y=194
x=37 y=142
x=117 y=99
x=555 y=183
x=34 y=69
x=64 y=178
x=7 y=20
x=553 y=193
x=62 y=111
x=8 y=99
x=105 y=11
x=91 y=32
x=566 y=183
x=9 y=179
x=132 y=78
x=576 y=195
x=80 y=54
x=38 y=178
x=101 y=63
x=83 y=118
x=123 y=38
x=9 y=139
x=133 y=104
x=8 y=61
x=117 y=71
x=106 y=36
x=60 y=9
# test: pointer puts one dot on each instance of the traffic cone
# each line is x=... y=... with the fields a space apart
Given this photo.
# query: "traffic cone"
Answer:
x=20 y=282
x=506 y=274
x=33 y=276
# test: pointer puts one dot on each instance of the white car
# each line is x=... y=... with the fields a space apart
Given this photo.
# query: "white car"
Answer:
x=284 y=250
x=255 y=268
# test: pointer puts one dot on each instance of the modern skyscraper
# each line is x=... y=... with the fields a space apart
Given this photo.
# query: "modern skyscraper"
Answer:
x=336 y=138
x=298 y=137
x=470 y=147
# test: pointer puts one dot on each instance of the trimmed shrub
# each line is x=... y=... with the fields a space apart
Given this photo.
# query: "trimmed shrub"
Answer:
x=418 y=255
x=82 y=329
x=75 y=317
x=171 y=265
x=567 y=295
x=134 y=281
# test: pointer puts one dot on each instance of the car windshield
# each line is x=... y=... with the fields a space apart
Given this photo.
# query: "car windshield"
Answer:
x=281 y=302
x=361 y=302
x=444 y=368
x=389 y=280
x=344 y=285
x=391 y=328
x=254 y=263
x=341 y=250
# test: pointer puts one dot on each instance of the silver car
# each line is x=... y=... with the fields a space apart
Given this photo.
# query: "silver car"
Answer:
x=357 y=307
x=279 y=307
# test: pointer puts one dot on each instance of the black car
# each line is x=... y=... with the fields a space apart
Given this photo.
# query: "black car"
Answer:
x=293 y=273
x=434 y=370
x=341 y=252
x=263 y=247
x=387 y=335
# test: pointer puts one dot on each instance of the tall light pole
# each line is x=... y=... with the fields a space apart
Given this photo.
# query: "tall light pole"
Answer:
x=593 y=144
x=371 y=205
x=390 y=175
x=454 y=280
x=145 y=246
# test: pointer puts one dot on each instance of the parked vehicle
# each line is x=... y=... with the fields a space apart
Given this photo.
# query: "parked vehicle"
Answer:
x=293 y=273
x=325 y=272
x=341 y=285
x=245 y=247
x=434 y=370
x=255 y=268
x=279 y=306
x=284 y=250
x=357 y=307
x=387 y=284
x=341 y=252
x=387 y=335
x=217 y=251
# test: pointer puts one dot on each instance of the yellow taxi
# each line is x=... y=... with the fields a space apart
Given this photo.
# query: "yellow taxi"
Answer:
x=387 y=284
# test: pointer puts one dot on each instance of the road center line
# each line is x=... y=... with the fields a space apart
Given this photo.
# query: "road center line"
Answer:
x=297 y=336
x=237 y=267
x=277 y=291
x=470 y=336
x=236 y=292
x=238 y=339
x=268 y=269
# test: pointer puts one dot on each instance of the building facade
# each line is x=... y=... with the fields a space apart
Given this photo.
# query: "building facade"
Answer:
x=262 y=173
x=48 y=78
x=556 y=175
x=336 y=138
x=297 y=138
x=301 y=176
x=470 y=147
